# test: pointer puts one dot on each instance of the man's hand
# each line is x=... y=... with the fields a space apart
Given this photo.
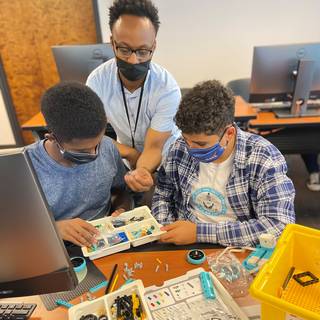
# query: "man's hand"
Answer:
x=139 y=180
x=130 y=154
x=180 y=232
x=133 y=157
x=77 y=231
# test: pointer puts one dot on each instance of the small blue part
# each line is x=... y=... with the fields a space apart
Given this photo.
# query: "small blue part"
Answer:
x=261 y=254
x=98 y=286
x=207 y=285
x=82 y=265
x=123 y=236
x=64 y=303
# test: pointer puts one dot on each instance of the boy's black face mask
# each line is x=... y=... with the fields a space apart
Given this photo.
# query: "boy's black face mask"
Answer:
x=77 y=157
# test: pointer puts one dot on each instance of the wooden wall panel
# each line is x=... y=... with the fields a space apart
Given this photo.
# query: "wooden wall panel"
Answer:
x=28 y=29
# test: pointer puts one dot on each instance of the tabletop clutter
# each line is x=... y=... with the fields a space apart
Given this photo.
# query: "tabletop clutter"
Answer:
x=195 y=295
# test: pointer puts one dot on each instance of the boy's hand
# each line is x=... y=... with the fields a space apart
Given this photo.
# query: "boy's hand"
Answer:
x=77 y=231
x=139 y=180
x=180 y=232
x=117 y=212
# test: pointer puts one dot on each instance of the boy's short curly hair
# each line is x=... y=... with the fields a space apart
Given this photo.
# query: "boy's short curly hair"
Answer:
x=140 y=8
x=73 y=111
x=207 y=108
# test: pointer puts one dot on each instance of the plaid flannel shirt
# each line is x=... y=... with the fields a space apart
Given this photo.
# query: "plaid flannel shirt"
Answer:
x=258 y=189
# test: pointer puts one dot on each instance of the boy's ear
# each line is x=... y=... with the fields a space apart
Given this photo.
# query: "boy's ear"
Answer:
x=231 y=131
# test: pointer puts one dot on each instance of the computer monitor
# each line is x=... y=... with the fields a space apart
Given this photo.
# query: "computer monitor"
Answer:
x=33 y=259
x=287 y=73
x=75 y=62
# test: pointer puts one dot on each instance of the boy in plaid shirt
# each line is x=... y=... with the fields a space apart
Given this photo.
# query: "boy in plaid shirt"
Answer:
x=218 y=183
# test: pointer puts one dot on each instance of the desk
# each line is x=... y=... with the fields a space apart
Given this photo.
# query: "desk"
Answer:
x=297 y=135
x=174 y=258
x=291 y=135
x=243 y=110
x=267 y=120
x=243 y=113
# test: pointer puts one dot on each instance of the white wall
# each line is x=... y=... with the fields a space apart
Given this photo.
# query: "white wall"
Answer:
x=205 y=39
x=6 y=133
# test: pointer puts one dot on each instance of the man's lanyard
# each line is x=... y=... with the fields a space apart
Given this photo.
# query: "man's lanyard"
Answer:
x=127 y=112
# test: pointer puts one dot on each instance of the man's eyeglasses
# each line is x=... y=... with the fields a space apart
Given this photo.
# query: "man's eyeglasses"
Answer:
x=127 y=52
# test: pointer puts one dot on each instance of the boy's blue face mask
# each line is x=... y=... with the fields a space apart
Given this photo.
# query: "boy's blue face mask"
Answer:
x=207 y=155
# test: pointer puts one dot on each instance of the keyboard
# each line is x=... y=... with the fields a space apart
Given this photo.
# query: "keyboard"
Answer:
x=16 y=311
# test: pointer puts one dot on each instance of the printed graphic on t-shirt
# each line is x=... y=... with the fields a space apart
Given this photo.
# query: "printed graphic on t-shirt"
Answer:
x=209 y=201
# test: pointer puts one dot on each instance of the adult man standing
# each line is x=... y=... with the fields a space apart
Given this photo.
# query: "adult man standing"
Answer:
x=140 y=97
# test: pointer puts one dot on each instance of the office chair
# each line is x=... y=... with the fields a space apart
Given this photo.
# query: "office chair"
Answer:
x=184 y=91
x=240 y=87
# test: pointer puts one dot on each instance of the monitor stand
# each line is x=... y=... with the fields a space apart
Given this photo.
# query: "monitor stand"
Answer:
x=286 y=113
x=303 y=83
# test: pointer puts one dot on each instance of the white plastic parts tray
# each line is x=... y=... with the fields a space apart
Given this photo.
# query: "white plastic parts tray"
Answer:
x=135 y=227
x=103 y=306
x=182 y=298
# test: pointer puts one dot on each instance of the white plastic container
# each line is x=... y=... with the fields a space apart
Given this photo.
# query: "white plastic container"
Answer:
x=134 y=220
x=180 y=293
x=183 y=298
x=102 y=306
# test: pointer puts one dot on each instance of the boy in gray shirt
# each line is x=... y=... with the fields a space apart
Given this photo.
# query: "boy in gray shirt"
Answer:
x=78 y=167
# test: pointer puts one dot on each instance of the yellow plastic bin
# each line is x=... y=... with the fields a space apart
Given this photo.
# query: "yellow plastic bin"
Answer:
x=298 y=247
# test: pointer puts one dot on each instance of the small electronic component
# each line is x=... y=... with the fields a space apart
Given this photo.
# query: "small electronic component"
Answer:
x=117 y=238
x=117 y=223
x=196 y=256
x=121 y=221
x=261 y=254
